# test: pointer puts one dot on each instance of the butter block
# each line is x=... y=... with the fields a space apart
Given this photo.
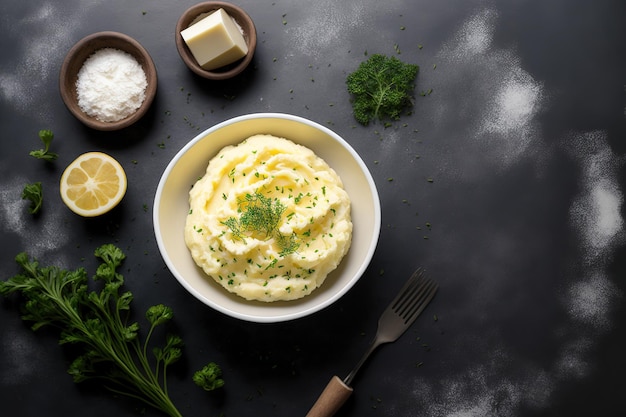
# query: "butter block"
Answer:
x=215 y=41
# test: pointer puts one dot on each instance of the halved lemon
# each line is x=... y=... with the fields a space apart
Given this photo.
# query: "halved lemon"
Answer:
x=93 y=184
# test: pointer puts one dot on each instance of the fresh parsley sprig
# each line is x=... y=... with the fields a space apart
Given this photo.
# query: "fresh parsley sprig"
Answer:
x=99 y=323
x=46 y=137
x=34 y=193
x=209 y=378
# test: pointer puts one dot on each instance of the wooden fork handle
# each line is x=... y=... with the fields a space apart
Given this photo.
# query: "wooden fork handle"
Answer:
x=332 y=398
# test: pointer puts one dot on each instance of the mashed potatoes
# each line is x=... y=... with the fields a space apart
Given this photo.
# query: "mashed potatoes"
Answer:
x=269 y=220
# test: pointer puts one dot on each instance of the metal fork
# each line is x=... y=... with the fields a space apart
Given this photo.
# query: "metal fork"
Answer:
x=412 y=299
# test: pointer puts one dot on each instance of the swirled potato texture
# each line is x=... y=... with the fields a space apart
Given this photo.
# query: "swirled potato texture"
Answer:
x=269 y=220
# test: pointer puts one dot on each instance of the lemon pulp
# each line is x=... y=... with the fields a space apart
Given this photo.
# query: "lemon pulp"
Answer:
x=93 y=184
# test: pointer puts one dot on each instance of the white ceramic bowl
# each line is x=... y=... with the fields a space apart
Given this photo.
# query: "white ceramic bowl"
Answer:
x=171 y=206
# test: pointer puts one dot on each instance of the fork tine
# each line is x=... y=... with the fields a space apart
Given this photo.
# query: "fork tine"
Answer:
x=406 y=294
x=414 y=296
x=408 y=287
x=430 y=288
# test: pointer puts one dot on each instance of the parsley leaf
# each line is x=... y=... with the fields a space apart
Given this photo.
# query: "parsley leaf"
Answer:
x=34 y=193
x=46 y=137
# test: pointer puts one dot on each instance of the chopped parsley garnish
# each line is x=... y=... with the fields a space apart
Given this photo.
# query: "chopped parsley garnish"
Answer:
x=260 y=216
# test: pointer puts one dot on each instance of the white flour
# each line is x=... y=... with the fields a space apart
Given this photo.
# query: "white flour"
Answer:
x=597 y=208
x=14 y=217
x=111 y=85
x=473 y=39
x=500 y=99
x=590 y=300
x=516 y=102
x=40 y=54
x=595 y=214
x=18 y=345
x=316 y=31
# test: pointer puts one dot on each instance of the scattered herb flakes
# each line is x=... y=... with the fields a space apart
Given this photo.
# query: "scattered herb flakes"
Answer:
x=376 y=402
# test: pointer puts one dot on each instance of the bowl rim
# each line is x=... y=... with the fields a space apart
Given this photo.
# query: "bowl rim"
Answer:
x=185 y=53
x=288 y=316
x=65 y=86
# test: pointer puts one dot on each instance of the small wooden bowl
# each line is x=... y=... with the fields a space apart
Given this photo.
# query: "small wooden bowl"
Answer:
x=242 y=19
x=82 y=50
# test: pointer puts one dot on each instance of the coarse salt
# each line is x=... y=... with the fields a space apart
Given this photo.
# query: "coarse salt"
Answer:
x=111 y=85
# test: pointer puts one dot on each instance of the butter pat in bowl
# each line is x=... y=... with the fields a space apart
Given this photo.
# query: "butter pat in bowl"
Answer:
x=216 y=40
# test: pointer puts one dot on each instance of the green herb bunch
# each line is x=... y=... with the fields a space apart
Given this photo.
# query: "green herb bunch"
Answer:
x=99 y=323
x=209 y=377
x=261 y=215
x=381 y=88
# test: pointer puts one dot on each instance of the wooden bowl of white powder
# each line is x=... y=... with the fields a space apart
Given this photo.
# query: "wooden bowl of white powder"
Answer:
x=108 y=81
